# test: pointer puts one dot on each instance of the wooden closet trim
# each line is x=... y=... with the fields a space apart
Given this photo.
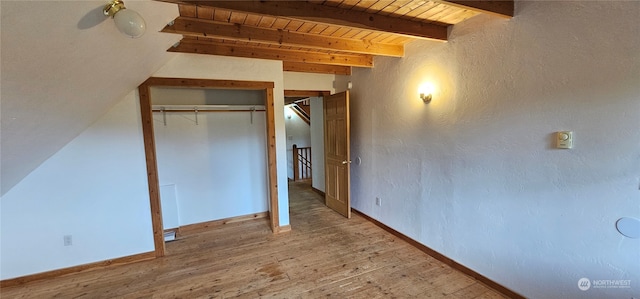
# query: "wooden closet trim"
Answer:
x=150 y=148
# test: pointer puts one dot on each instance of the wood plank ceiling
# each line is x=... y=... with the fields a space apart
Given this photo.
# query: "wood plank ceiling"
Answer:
x=319 y=36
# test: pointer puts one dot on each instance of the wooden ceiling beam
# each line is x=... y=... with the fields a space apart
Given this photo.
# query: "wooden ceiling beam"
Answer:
x=329 y=15
x=501 y=8
x=224 y=49
x=302 y=67
x=204 y=28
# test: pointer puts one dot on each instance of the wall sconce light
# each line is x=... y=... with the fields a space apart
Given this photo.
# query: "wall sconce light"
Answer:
x=426 y=98
x=127 y=21
x=426 y=91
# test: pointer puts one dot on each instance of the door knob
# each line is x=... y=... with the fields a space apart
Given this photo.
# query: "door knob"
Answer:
x=346 y=162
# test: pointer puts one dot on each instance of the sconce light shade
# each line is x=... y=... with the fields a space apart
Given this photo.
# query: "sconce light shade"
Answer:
x=127 y=21
x=426 y=91
x=425 y=98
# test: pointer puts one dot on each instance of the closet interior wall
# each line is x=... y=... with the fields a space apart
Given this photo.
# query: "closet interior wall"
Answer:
x=211 y=154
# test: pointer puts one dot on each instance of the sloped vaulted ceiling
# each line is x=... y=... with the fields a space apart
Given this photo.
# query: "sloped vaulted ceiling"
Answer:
x=63 y=65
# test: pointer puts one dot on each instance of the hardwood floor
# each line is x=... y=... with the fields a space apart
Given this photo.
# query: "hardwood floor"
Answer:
x=325 y=255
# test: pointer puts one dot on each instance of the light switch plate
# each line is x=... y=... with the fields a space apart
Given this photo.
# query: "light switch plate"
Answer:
x=564 y=139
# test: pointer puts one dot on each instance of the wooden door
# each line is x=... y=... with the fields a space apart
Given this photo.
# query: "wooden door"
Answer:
x=337 y=153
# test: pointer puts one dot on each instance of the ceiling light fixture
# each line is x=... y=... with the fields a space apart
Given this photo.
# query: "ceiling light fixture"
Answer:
x=128 y=21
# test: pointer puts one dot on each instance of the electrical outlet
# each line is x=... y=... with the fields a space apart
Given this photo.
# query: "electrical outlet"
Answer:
x=378 y=201
x=68 y=241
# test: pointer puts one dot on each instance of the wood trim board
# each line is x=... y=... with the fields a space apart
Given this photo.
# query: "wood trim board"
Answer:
x=75 y=269
x=197 y=227
x=274 y=213
x=284 y=229
x=306 y=93
x=144 y=91
x=319 y=192
x=207 y=83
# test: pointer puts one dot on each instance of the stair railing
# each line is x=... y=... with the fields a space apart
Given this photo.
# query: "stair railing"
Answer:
x=301 y=163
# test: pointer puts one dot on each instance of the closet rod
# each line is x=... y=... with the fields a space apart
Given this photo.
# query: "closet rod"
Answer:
x=207 y=108
x=201 y=111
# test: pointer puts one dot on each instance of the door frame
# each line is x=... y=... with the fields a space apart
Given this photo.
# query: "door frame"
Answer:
x=309 y=93
x=144 y=91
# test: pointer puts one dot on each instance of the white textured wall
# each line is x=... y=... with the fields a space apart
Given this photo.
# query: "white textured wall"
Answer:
x=317 y=143
x=52 y=94
x=231 y=68
x=474 y=175
x=94 y=189
x=196 y=96
x=308 y=81
x=298 y=133
x=218 y=167
x=311 y=81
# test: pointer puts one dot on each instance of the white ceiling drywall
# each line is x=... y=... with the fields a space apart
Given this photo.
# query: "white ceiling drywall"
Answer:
x=63 y=65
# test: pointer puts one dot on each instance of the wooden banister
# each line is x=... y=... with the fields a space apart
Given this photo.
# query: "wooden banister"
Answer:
x=296 y=167
x=301 y=163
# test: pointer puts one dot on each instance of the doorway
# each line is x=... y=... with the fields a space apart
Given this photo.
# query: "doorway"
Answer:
x=316 y=133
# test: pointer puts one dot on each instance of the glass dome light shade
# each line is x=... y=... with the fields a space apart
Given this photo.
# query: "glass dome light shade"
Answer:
x=130 y=23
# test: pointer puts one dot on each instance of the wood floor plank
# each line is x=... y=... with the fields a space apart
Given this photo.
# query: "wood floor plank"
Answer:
x=324 y=255
x=472 y=291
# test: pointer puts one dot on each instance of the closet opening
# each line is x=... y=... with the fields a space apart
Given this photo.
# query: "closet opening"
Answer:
x=210 y=151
